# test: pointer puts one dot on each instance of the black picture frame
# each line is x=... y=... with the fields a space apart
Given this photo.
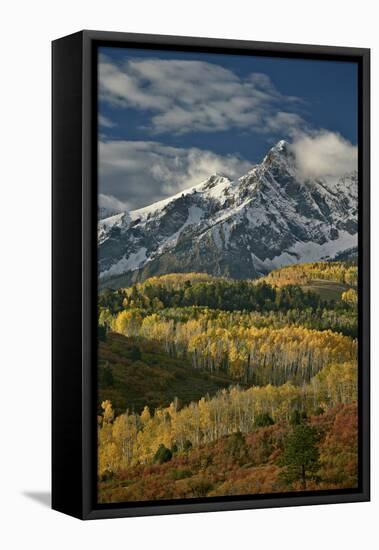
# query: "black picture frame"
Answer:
x=74 y=273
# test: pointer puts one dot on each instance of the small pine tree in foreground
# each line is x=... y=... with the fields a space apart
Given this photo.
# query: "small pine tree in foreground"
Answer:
x=262 y=420
x=300 y=458
x=236 y=448
x=162 y=455
x=135 y=353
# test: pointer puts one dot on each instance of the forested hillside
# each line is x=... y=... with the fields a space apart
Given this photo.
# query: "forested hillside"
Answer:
x=208 y=386
x=133 y=371
x=331 y=280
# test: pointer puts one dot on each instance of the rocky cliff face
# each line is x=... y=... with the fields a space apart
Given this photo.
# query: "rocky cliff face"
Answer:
x=244 y=228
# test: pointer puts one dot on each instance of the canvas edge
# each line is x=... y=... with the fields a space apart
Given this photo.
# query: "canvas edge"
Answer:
x=87 y=509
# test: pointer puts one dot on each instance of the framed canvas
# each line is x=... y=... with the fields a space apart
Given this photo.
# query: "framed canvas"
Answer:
x=210 y=275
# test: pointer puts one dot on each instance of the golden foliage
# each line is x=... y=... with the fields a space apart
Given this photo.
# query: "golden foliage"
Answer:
x=260 y=355
x=134 y=439
x=301 y=274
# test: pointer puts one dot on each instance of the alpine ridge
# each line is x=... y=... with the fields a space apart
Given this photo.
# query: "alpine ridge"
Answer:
x=268 y=218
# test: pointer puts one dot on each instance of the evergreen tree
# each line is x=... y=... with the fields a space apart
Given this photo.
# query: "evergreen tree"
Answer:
x=102 y=333
x=162 y=455
x=262 y=420
x=237 y=448
x=297 y=417
x=107 y=378
x=135 y=353
x=300 y=457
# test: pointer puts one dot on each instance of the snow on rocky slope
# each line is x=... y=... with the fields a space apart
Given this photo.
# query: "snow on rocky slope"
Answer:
x=268 y=218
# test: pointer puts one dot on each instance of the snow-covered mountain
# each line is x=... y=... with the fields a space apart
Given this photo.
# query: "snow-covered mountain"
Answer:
x=244 y=228
x=105 y=212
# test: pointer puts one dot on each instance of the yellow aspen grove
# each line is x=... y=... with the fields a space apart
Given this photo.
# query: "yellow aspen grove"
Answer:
x=259 y=355
x=202 y=379
x=350 y=296
x=145 y=415
x=128 y=322
x=305 y=273
x=108 y=414
x=134 y=439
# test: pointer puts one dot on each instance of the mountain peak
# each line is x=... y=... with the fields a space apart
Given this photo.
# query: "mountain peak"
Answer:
x=282 y=145
x=214 y=180
x=280 y=154
x=281 y=148
x=238 y=228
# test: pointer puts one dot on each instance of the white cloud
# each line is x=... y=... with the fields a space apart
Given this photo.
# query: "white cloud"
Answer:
x=324 y=153
x=106 y=122
x=141 y=172
x=182 y=96
x=111 y=203
x=291 y=122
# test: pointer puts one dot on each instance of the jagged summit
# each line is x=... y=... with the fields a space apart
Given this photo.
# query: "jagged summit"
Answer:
x=281 y=153
x=242 y=228
x=214 y=180
x=281 y=147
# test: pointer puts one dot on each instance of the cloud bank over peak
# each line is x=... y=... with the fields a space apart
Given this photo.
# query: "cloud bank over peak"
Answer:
x=141 y=172
x=133 y=174
x=324 y=153
x=111 y=203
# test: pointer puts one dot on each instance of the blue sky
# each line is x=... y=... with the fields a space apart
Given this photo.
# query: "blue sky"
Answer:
x=168 y=118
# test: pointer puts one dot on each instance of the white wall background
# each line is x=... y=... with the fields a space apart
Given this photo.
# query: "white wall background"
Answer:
x=27 y=29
